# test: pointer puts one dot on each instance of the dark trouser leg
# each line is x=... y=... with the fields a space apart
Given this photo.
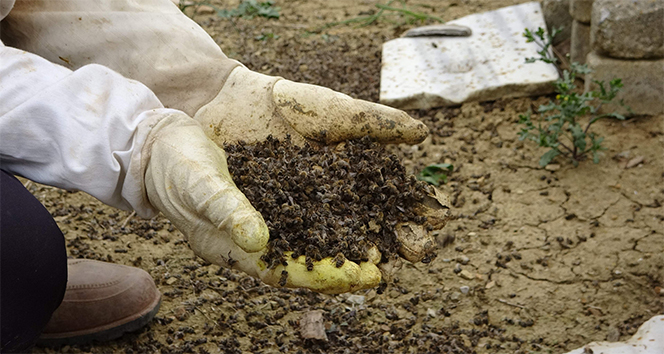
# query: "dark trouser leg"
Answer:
x=33 y=266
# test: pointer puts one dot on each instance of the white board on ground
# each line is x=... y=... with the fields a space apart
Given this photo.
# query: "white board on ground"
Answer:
x=425 y=72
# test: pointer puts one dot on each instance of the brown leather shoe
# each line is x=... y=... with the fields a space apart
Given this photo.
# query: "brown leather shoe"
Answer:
x=102 y=302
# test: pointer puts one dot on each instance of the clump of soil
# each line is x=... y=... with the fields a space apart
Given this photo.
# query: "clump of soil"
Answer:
x=329 y=201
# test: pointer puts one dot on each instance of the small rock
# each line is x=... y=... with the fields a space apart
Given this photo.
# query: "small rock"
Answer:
x=312 y=325
x=385 y=328
x=181 y=313
x=552 y=167
x=355 y=299
x=466 y=274
x=439 y=30
x=471 y=234
x=205 y=10
x=490 y=285
x=464 y=289
x=431 y=313
x=455 y=296
x=624 y=154
x=371 y=295
x=613 y=334
x=634 y=162
x=463 y=260
x=659 y=290
x=595 y=312
x=466 y=341
x=171 y=280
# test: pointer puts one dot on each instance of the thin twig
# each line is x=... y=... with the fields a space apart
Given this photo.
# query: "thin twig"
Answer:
x=214 y=323
x=593 y=119
x=124 y=223
x=561 y=57
x=594 y=307
x=511 y=304
x=565 y=146
x=417 y=15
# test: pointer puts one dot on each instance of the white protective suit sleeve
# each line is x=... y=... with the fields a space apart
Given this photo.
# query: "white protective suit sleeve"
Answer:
x=77 y=130
x=151 y=41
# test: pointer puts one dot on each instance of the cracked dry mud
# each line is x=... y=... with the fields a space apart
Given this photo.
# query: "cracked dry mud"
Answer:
x=533 y=260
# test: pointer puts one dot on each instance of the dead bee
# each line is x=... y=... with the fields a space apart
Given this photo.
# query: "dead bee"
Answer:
x=310 y=263
x=318 y=202
x=381 y=287
x=283 y=278
x=339 y=260
x=429 y=257
x=231 y=262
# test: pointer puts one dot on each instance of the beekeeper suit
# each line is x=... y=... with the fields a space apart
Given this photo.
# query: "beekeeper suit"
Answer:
x=131 y=103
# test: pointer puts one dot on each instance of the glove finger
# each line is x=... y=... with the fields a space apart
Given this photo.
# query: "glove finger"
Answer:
x=326 y=116
x=232 y=213
x=326 y=277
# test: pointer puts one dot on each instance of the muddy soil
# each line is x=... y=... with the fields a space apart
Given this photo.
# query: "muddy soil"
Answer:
x=534 y=260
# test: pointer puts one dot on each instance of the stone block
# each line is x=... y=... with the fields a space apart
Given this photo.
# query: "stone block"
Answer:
x=581 y=10
x=556 y=15
x=628 y=29
x=425 y=72
x=643 y=81
x=580 y=46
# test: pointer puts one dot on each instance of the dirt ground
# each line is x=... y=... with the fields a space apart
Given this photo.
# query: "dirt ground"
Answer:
x=534 y=260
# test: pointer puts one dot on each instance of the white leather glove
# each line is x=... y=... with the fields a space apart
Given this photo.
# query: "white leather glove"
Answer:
x=252 y=106
x=186 y=177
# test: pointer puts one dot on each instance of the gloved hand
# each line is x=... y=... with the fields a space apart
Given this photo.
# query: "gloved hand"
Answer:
x=253 y=106
x=187 y=179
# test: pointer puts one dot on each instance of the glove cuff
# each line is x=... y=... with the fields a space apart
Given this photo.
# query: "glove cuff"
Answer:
x=152 y=122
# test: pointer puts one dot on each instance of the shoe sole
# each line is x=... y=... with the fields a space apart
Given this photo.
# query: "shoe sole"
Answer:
x=60 y=339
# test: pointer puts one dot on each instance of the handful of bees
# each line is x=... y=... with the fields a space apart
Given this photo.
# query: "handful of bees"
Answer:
x=328 y=202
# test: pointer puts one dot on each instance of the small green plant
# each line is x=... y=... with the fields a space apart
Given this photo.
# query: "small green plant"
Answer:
x=562 y=131
x=407 y=16
x=435 y=174
x=266 y=36
x=252 y=8
x=247 y=9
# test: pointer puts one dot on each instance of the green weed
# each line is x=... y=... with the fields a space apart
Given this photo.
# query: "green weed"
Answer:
x=435 y=174
x=561 y=130
x=385 y=12
x=266 y=36
x=247 y=9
